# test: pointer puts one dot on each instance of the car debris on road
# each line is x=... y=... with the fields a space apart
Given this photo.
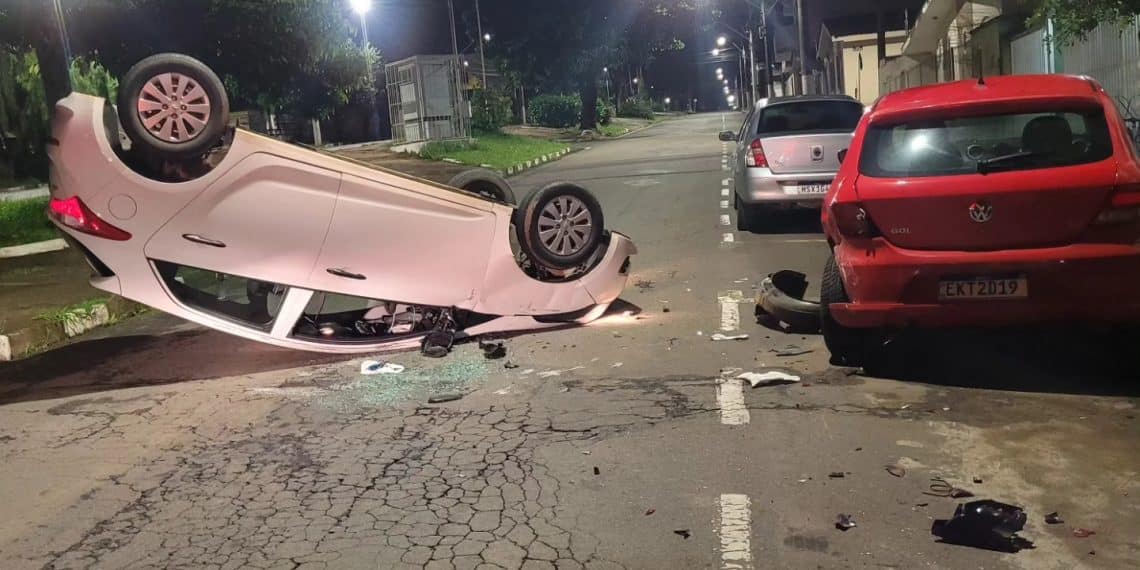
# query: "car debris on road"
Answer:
x=721 y=337
x=984 y=524
x=370 y=367
x=770 y=378
x=845 y=522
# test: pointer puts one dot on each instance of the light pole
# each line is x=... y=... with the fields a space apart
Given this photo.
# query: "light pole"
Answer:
x=606 y=73
x=361 y=7
x=483 y=38
x=458 y=92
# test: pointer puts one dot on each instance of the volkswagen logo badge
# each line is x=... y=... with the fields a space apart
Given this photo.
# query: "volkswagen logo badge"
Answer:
x=981 y=212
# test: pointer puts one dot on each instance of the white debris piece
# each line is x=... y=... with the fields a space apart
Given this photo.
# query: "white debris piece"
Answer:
x=719 y=337
x=370 y=367
x=773 y=378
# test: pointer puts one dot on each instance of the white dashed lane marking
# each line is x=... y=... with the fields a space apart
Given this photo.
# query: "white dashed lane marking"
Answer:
x=724 y=204
x=730 y=309
x=724 y=220
x=730 y=400
x=728 y=238
x=735 y=532
x=724 y=191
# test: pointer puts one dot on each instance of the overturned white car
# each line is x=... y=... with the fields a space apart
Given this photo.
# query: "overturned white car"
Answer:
x=294 y=247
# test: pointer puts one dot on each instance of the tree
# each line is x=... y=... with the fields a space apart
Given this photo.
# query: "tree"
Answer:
x=296 y=55
x=564 y=44
x=1074 y=19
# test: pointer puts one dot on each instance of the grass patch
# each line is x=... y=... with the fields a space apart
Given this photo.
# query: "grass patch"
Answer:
x=78 y=310
x=24 y=221
x=498 y=150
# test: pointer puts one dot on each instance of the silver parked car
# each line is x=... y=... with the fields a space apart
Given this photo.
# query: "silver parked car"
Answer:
x=787 y=152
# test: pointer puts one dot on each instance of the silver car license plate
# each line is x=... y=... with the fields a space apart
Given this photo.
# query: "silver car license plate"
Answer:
x=811 y=188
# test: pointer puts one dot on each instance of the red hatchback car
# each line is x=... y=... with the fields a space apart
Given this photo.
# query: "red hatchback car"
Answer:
x=1000 y=201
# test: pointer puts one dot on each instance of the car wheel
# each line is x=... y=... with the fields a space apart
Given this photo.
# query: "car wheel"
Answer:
x=484 y=183
x=560 y=226
x=749 y=218
x=173 y=106
x=849 y=347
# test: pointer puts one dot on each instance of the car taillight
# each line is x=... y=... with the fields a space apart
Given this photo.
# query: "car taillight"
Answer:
x=73 y=213
x=852 y=220
x=755 y=157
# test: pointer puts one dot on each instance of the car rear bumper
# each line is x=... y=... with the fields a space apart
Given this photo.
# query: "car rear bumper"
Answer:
x=892 y=287
x=761 y=186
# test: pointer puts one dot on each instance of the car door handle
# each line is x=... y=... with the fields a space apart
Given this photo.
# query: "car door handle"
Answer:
x=345 y=273
x=203 y=240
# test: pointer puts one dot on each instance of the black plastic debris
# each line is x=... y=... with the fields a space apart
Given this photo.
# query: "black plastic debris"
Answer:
x=844 y=522
x=984 y=524
x=837 y=475
x=492 y=350
x=666 y=310
x=1054 y=518
x=443 y=398
x=437 y=344
x=510 y=365
x=977 y=480
x=683 y=533
x=597 y=471
x=896 y=470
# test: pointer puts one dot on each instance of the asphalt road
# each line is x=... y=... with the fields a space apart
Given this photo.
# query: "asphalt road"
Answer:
x=624 y=444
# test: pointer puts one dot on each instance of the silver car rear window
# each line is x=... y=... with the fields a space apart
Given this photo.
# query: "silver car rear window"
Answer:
x=803 y=117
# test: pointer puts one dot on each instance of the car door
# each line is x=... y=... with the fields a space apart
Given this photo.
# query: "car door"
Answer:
x=408 y=241
x=264 y=219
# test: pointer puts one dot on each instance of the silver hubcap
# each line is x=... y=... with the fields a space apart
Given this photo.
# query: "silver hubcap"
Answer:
x=564 y=226
x=173 y=107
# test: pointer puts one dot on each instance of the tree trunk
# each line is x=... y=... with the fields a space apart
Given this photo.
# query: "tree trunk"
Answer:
x=51 y=51
x=589 y=94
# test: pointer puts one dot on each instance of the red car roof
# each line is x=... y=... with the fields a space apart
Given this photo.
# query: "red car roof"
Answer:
x=997 y=92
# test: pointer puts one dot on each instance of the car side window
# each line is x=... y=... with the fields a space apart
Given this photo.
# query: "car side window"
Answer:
x=744 y=127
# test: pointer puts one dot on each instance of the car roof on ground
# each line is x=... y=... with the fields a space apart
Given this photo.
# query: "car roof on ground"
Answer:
x=999 y=88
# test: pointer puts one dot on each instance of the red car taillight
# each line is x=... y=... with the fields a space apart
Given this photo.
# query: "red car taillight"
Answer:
x=755 y=157
x=852 y=220
x=73 y=213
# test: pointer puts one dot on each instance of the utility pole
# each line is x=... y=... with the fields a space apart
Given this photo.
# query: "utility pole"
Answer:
x=767 y=55
x=482 y=60
x=803 y=81
x=459 y=107
x=752 y=64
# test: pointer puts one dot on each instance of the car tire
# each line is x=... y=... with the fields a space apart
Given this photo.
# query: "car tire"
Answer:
x=571 y=213
x=485 y=183
x=173 y=106
x=848 y=346
x=749 y=218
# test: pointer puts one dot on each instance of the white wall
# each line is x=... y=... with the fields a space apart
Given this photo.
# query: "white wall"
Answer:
x=1111 y=56
x=864 y=85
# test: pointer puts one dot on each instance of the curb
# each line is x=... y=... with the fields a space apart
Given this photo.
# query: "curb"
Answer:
x=638 y=130
x=44 y=334
x=14 y=195
x=523 y=166
x=32 y=248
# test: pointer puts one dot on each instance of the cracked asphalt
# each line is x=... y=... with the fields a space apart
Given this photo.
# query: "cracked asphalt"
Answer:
x=157 y=444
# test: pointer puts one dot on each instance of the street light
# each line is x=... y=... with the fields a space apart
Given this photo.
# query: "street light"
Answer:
x=716 y=52
x=721 y=41
x=731 y=99
x=362 y=7
x=486 y=37
x=668 y=100
x=719 y=70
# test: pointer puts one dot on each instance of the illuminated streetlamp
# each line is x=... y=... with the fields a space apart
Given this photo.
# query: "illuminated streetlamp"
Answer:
x=721 y=41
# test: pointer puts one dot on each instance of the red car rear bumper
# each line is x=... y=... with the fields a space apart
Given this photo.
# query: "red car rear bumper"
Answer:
x=892 y=287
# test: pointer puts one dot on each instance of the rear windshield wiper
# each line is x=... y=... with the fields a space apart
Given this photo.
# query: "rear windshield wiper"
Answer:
x=988 y=164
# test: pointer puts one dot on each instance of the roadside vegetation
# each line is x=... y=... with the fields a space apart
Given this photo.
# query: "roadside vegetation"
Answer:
x=24 y=221
x=500 y=151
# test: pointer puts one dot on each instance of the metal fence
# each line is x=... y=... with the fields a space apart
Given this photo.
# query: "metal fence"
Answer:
x=1111 y=55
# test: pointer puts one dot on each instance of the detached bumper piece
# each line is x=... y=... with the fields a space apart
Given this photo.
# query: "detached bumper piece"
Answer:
x=781 y=295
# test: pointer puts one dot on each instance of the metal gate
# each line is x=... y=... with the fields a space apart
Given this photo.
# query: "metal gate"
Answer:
x=425 y=100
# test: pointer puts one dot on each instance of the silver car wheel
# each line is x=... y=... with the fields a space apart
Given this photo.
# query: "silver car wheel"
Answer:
x=565 y=225
x=173 y=107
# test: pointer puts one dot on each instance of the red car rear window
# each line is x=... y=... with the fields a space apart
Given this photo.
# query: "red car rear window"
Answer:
x=967 y=145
